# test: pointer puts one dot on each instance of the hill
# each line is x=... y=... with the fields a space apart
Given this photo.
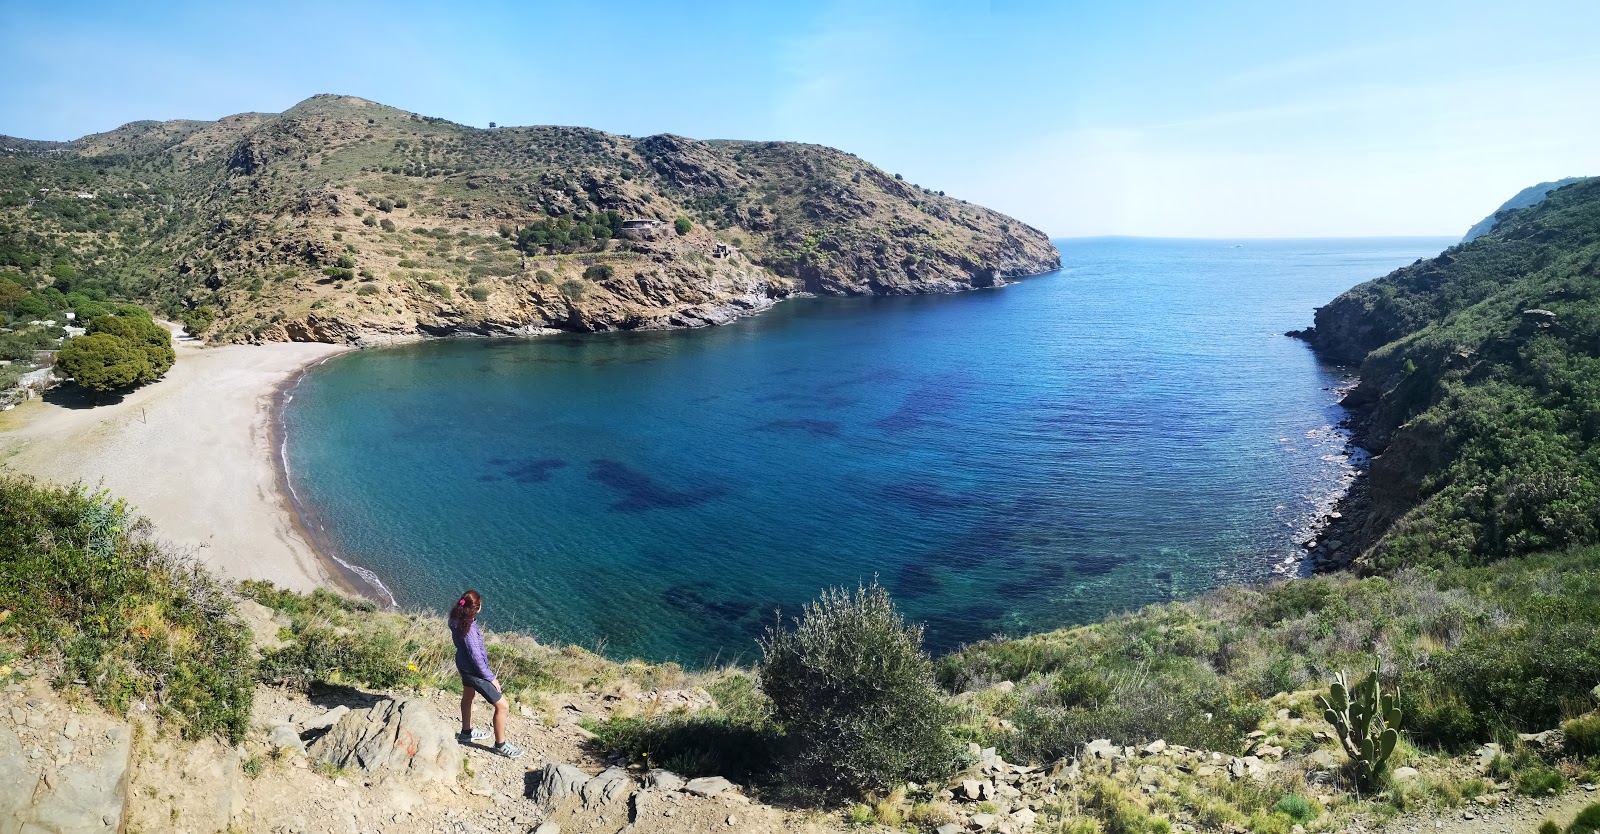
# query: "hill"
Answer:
x=1529 y=196
x=1480 y=385
x=341 y=219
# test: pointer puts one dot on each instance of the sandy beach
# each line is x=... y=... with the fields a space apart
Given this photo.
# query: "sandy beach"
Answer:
x=194 y=452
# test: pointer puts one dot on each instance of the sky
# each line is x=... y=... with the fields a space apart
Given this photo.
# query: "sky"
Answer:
x=1225 y=118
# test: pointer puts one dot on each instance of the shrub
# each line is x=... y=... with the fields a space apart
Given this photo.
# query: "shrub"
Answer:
x=1296 y=808
x=479 y=293
x=439 y=289
x=366 y=289
x=855 y=695
x=85 y=578
x=1583 y=734
x=1587 y=821
x=598 y=272
x=574 y=289
x=705 y=744
x=682 y=225
x=1539 y=780
x=386 y=224
x=544 y=277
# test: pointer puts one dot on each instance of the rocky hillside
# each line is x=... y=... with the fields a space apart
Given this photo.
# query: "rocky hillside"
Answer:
x=1530 y=196
x=342 y=219
x=1478 y=386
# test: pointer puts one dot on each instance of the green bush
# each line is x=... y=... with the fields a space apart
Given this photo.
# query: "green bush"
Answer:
x=366 y=289
x=544 y=277
x=855 y=695
x=1539 y=780
x=598 y=272
x=1587 y=821
x=1296 y=808
x=709 y=743
x=574 y=289
x=1583 y=734
x=682 y=225
x=84 y=578
x=479 y=293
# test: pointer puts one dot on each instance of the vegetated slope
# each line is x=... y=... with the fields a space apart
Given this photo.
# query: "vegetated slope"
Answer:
x=1530 y=196
x=1481 y=370
x=341 y=218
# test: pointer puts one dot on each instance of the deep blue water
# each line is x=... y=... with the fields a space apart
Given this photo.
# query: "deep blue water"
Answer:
x=1130 y=429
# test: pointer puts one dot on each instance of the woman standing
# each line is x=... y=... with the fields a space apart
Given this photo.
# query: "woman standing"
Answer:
x=472 y=661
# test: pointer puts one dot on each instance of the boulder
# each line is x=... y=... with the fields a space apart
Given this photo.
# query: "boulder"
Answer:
x=983 y=822
x=1549 y=741
x=1101 y=748
x=664 y=780
x=285 y=737
x=557 y=782
x=948 y=828
x=708 y=786
x=325 y=720
x=1405 y=773
x=400 y=735
x=611 y=786
x=1153 y=748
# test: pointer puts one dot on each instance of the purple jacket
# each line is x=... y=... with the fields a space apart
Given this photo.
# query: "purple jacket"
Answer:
x=471 y=658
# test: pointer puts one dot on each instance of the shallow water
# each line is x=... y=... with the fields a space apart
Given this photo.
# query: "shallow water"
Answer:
x=1130 y=429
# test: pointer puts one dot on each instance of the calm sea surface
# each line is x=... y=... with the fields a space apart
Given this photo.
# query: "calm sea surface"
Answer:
x=1130 y=429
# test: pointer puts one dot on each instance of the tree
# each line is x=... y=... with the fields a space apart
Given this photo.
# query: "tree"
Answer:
x=140 y=332
x=682 y=224
x=102 y=362
x=855 y=695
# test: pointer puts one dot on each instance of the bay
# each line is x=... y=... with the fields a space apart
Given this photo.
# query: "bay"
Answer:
x=1130 y=429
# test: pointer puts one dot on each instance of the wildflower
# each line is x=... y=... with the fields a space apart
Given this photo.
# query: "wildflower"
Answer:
x=411 y=666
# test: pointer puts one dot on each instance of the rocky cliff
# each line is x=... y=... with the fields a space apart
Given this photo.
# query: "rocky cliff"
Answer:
x=1477 y=394
x=341 y=219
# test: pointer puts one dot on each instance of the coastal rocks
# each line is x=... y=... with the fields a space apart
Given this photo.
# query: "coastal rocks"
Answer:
x=557 y=782
x=393 y=735
x=708 y=786
x=612 y=785
x=663 y=780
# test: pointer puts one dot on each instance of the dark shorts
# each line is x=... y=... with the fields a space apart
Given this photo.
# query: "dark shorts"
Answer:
x=484 y=688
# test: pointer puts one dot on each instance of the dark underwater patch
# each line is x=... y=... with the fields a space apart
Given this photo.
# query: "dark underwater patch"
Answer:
x=923 y=496
x=641 y=492
x=823 y=428
x=915 y=579
x=925 y=404
x=1097 y=564
x=534 y=471
x=690 y=600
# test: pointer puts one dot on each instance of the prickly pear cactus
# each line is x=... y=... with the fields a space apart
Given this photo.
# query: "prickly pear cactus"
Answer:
x=1367 y=720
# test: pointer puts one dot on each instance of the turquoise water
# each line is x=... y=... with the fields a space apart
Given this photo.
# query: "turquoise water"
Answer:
x=1130 y=429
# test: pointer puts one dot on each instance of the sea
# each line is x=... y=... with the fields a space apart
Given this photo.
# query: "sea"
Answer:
x=1131 y=429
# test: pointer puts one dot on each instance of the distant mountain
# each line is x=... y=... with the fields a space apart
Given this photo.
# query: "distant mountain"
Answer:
x=343 y=219
x=1530 y=196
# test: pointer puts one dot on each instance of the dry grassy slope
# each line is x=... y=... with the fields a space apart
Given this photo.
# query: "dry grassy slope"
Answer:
x=263 y=203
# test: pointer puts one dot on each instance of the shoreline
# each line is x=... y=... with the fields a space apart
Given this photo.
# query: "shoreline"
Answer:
x=192 y=452
x=349 y=577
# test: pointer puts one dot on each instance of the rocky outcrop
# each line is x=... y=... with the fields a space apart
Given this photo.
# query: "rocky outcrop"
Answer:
x=60 y=772
x=402 y=736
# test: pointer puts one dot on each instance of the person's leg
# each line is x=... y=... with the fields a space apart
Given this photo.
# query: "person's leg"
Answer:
x=502 y=708
x=466 y=707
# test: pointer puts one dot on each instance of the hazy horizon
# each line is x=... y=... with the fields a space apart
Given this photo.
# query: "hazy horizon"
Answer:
x=1237 y=121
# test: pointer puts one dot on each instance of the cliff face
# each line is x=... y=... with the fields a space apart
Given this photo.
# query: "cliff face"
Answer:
x=342 y=219
x=1478 y=394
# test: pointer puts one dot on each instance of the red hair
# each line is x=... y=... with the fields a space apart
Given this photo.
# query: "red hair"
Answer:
x=466 y=609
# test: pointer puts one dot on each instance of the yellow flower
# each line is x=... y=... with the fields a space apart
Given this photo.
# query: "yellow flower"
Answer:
x=4 y=671
x=411 y=666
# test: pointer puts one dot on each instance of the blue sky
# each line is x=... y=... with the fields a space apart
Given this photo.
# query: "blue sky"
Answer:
x=1222 y=118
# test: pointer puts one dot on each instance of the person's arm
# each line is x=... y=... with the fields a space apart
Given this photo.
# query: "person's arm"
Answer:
x=480 y=655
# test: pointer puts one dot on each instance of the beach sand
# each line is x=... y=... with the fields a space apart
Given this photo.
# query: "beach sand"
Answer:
x=194 y=452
